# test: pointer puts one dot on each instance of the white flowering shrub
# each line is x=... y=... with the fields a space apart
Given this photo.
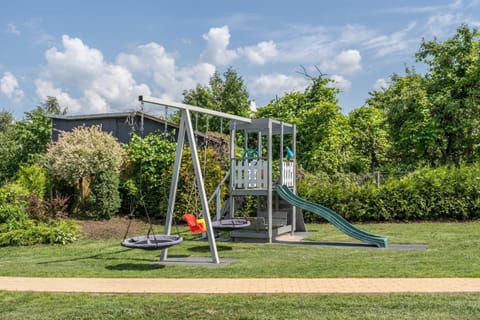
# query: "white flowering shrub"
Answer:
x=81 y=157
x=83 y=152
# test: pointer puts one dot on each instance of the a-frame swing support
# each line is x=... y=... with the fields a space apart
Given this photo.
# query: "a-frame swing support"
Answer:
x=186 y=127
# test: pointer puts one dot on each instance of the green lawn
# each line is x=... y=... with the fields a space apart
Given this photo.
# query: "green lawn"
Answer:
x=453 y=251
x=126 y=306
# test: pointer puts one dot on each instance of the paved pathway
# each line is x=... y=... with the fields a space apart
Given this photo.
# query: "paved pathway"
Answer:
x=263 y=285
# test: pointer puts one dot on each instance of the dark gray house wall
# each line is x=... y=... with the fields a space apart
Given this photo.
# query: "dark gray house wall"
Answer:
x=120 y=125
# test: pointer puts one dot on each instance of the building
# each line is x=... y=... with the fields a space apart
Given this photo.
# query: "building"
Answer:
x=121 y=125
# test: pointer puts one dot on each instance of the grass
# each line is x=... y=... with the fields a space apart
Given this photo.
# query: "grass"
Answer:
x=453 y=251
x=86 y=306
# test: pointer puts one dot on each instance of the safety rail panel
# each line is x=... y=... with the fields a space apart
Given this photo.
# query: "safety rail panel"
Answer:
x=250 y=174
x=288 y=173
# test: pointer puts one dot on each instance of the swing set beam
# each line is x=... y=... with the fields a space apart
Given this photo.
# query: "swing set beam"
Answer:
x=183 y=106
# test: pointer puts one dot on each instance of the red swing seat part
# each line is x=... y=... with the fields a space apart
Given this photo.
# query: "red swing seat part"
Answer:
x=196 y=226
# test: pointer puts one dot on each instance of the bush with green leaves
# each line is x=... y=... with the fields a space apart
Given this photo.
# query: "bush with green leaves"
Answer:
x=18 y=228
x=341 y=193
x=34 y=178
x=188 y=198
x=148 y=177
x=29 y=232
x=77 y=159
x=104 y=199
x=445 y=193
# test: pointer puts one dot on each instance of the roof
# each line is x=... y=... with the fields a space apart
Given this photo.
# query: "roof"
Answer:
x=108 y=115
x=119 y=115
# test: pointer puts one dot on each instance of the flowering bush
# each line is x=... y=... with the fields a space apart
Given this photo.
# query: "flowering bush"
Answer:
x=83 y=152
x=81 y=157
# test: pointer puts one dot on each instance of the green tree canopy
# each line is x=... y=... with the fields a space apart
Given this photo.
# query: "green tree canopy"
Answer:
x=411 y=132
x=453 y=86
x=434 y=119
x=6 y=121
x=369 y=139
x=23 y=141
x=322 y=130
x=226 y=94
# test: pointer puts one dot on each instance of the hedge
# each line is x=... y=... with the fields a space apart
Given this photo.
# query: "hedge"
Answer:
x=440 y=194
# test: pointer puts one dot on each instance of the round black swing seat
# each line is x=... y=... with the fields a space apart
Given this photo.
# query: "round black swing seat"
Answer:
x=230 y=224
x=152 y=242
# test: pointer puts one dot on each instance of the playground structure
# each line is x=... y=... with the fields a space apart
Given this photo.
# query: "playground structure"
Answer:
x=250 y=175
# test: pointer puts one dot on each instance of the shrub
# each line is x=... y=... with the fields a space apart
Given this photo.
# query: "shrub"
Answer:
x=187 y=194
x=13 y=193
x=34 y=179
x=78 y=158
x=43 y=210
x=104 y=199
x=28 y=232
x=12 y=213
x=445 y=193
x=147 y=176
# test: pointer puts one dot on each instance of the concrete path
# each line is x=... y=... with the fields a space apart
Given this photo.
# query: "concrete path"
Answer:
x=225 y=286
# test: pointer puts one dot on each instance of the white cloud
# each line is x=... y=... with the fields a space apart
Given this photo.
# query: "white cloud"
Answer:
x=260 y=53
x=155 y=63
x=441 y=24
x=10 y=88
x=346 y=62
x=380 y=84
x=396 y=42
x=353 y=34
x=217 y=51
x=455 y=5
x=305 y=44
x=340 y=82
x=84 y=81
x=274 y=84
x=47 y=89
x=12 y=29
x=98 y=86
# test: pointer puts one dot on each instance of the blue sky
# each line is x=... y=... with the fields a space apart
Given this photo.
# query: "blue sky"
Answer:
x=98 y=56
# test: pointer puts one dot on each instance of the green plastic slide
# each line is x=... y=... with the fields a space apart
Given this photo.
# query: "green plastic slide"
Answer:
x=331 y=216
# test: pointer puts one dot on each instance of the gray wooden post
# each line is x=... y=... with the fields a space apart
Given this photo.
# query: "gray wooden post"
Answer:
x=294 y=149
x=201 y=187
x=233 y=171
x=281 y=153
x=269 y=177
x=173 y=186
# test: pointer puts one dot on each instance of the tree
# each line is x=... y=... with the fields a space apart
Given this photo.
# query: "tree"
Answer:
x=9 y=151
x=325 y=144
x=6 y=121
x=34 y=132
x=406 y=107
x=228 y=94
x=369 y=139
x=434 y=119
x=8 y=147
x=453 y=86
x=25 y=140
x=323 y=132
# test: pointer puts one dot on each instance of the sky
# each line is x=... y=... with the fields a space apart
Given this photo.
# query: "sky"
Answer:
x=99 y=56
